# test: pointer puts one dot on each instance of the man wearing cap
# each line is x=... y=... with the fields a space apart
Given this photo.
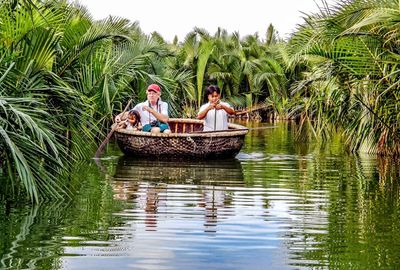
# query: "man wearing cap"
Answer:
x=153 y=112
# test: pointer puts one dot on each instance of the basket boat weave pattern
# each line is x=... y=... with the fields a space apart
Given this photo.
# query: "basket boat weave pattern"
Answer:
x=185 y=141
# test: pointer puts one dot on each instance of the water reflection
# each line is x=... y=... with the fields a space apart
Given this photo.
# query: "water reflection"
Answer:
x=280 y=206
x=149 y=183
x=215 y=172
x=27 y=239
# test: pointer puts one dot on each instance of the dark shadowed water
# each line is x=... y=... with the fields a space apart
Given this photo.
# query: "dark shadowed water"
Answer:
x=279 y=204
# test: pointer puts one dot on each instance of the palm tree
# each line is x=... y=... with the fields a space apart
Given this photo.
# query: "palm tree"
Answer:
x=355 y=44
x=32 y=154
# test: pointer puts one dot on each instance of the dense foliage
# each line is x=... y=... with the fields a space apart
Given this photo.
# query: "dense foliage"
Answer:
x=64 y=75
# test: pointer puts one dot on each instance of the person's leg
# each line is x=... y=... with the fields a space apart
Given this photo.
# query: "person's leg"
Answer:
x=155 y=130
x=164 y=127
x=146 y=128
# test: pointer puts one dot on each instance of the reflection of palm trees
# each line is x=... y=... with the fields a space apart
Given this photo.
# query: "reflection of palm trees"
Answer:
x=20 y=237
x=22 y=228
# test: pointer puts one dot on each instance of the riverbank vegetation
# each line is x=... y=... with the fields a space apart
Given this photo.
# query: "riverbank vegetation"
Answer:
x=64 y=75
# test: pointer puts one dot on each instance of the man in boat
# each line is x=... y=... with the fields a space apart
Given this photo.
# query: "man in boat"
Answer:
x=153 y=112
x=215 y=113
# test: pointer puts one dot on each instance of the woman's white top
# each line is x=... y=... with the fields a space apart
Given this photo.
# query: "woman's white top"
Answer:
x=221 y=116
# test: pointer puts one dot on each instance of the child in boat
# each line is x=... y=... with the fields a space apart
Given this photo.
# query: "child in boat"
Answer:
x=153 y=112
x=133 y=121
x=215 y=112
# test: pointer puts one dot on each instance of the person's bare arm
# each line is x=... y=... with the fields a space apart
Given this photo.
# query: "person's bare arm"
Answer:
x=121 y=117
x=229 y=110
x=161 y=117
x=121 y=125
x=204 y=112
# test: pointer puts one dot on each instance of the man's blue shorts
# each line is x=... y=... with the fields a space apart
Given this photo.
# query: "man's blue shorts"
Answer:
x=162 y=126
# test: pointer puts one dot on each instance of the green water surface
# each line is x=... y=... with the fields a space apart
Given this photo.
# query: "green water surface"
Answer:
x=280 y=204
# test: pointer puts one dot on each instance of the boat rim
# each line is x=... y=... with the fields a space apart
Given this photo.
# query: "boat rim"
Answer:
x=234 y=130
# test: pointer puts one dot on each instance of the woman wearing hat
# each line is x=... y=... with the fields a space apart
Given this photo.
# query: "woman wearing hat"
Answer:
x=153 y=112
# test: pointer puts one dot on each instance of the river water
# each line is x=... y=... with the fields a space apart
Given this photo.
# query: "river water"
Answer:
x=280 y=204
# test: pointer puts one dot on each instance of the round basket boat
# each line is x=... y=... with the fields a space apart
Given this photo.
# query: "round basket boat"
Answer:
x=187 y=140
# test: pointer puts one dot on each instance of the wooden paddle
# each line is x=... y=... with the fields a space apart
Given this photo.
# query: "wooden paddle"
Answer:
x=215 y=116
x=103 y=144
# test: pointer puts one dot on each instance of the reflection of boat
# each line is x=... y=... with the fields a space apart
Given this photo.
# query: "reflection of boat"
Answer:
x=158 y=189
x=187 y=140
x=226 y=172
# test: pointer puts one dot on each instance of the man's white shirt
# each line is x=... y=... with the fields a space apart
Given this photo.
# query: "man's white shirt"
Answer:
x=147 y=117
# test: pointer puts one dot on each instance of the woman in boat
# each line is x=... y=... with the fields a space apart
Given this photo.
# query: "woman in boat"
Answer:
x=153 y=112
x=215 y=112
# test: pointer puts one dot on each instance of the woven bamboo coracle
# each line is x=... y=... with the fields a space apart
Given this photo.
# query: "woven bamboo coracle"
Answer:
x=187 y=140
